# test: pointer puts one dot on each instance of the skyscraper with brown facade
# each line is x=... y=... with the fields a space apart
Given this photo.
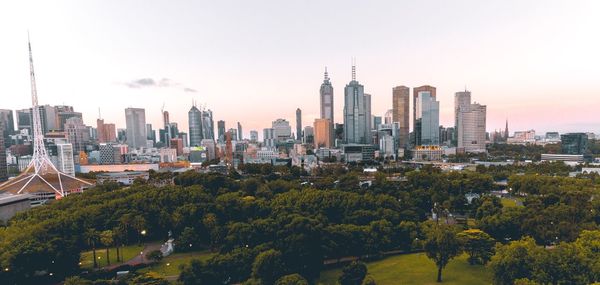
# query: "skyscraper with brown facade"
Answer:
x=400 y=113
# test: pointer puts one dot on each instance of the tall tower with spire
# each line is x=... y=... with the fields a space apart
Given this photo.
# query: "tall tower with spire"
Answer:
x=41 y=177
x=356 y=115
x=506 y=131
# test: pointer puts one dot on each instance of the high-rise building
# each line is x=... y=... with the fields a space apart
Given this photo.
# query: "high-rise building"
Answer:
x=221 y=131
x=195 y=123
x=269 y=137
x=184 y=138
x=471 y=128
x=239 y=132
x=400 y=112
x=3 y=165
x=77 y=134
x=427 y=130
x=298 y=124
x=253 y=136
x=66 y=163
x=326 y=93
x=106 y=132
x=462 y=101
x=7 y=119
x=135 y=119
x=177 y=144
x=282 y=129
x=574 y=143
x=208 y=125
x=150 y=133
x=322 y=133
x=356 y=119
x=368 y=124
x=24 y=120
x=64 y=114
x=234 y=134
x=309 y=135
x=418 y=111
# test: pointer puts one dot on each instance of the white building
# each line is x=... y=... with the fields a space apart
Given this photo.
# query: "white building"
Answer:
x=471 y=127
x=65 y=158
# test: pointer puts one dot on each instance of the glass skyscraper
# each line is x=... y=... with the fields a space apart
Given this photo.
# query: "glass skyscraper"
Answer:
x=195 y=124
x=428 y=119
x=357 y=116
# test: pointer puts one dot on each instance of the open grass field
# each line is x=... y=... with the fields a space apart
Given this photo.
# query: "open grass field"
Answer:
x=128 y=252
x=417 y=269
x=169 y=266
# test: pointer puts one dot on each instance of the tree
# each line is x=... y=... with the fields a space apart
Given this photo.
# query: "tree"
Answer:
x=187 y=240
x=441 y=246
x=369 y=281
x=106 y=238
x=92 y=238
x=268 y=266
x=155 y=255
x=478 y=245
x=292 y=279
x=76 y=280
x=353 y=274
x=515 y=260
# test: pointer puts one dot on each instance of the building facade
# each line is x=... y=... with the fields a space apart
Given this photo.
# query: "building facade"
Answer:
x=400 y=112
x=135 y=120
x=195 y=124
x=322 y=133
x=356 y=118
x=427 y=120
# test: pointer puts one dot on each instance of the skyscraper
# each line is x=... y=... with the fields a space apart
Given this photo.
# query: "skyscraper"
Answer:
x=427 y=131
x=208 y=125
x=368 y=124
x=77 y=134
x=24 y=120
x=299 y=124
x=6 y=118
x=326 y=93
x=135 y=120
x=240 y=136
x=150 y=133
x=106 y=132
x=195 y=123
x=400 y=112
x=221 y=130
x=282 y=129
x=471 y=128
x=355 y=115
x=417 y=110
x=322 y=133
x=269 y=137
x=253 y=136
x=462 y=101
x=3 y=166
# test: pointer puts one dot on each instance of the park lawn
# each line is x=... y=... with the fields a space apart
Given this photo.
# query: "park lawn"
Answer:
x=417 y=269
x=508 y=203
x=169 y=266
x=128 y=252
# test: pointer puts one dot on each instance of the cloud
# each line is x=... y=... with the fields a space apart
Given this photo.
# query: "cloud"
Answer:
x=151 y=83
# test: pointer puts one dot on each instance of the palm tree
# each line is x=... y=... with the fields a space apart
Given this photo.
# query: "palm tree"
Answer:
x=91 y=236
x=119 y=238
x=106 y=237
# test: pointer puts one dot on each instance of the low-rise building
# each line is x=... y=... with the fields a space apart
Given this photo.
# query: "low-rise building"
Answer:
x=125 y=178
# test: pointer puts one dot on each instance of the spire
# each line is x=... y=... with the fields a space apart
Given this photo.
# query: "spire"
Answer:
x=326 y=74
x=353 y=69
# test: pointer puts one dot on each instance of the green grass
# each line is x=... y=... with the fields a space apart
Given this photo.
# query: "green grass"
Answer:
x=128 y=252
x=169 y=266
x=508 y=203
x=417 y=269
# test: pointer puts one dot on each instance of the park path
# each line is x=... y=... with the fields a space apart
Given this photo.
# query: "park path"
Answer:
x=140 y=258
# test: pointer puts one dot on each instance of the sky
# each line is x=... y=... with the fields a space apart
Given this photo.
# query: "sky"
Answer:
x=535 y=63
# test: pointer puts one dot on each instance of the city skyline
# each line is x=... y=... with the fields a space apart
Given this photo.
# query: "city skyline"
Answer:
x=75 y=56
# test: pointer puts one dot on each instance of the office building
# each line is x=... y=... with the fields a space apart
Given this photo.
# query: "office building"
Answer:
x=78 y=134
x=269 y=137
x=298 y=124
x=400 y=112
x=221 y=131
x=233 y=133
x=462 y=101
x=177 y=144
x=150 y=134
x=208 y=126
x=239 y=132
x=356 y=118
x=253 y=136
x=282 y=130
x=471 y=135
x=574 y=143
x=8 y=122
x=427 y=113
x=326 y=94
x=195 y=124
x=135 y=119
x=24 y=119
x=105 y=132
x=184 y=138
x=210 y=147
x=417 y=111
x=309 y=135
x=65 y=158
x=322 y=133
x=3 y=165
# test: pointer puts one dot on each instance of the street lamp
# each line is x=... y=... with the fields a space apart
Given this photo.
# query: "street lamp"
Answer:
x=142 y=256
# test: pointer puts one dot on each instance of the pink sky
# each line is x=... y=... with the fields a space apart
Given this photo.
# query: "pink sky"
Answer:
x=535 y=63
